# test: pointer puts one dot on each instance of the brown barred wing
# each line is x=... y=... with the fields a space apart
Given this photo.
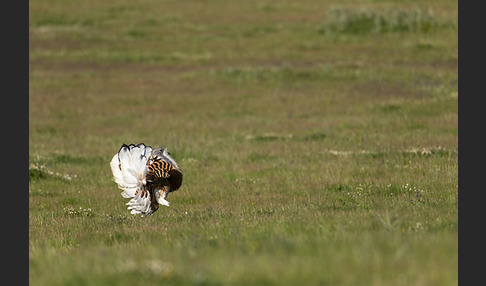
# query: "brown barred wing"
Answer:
x=158 y=169
x=161 y=173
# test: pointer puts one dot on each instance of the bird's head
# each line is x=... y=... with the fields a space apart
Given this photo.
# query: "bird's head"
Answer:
x=165 y=155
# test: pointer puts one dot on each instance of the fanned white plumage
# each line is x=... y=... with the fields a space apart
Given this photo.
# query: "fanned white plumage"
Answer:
x=138 y=171
x=140 y=204
x=129 y=167
x=117 y=174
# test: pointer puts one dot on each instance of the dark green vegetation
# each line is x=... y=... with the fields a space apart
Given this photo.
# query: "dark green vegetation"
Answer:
x=318 y=141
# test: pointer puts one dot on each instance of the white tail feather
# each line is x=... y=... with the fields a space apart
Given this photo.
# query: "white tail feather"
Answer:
x=129 y=168
x=128 y=192
x=117 y=174
x=139 y=204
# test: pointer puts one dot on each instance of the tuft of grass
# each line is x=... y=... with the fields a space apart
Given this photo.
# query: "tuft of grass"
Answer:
x=365 y=20
x=38 y=171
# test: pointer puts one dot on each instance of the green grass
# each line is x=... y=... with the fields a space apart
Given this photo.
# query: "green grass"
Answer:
x=365 y=20
x=313 y=153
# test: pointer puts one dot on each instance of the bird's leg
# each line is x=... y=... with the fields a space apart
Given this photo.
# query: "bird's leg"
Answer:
x=162 y=195
x=164 y=201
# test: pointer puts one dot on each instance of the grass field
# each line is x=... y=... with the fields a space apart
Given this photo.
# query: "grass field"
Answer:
x=318 y=141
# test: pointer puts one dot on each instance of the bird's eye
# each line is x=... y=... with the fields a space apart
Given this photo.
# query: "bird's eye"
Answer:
x=168 y=153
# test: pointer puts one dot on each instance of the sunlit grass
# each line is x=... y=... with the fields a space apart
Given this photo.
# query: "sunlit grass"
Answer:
x=309 y=157
x=364 y=20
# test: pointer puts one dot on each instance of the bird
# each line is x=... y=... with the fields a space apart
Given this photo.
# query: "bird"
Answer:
x=146 y=175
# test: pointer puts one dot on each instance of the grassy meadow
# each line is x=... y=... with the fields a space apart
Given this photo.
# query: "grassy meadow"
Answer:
x=318 y=141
